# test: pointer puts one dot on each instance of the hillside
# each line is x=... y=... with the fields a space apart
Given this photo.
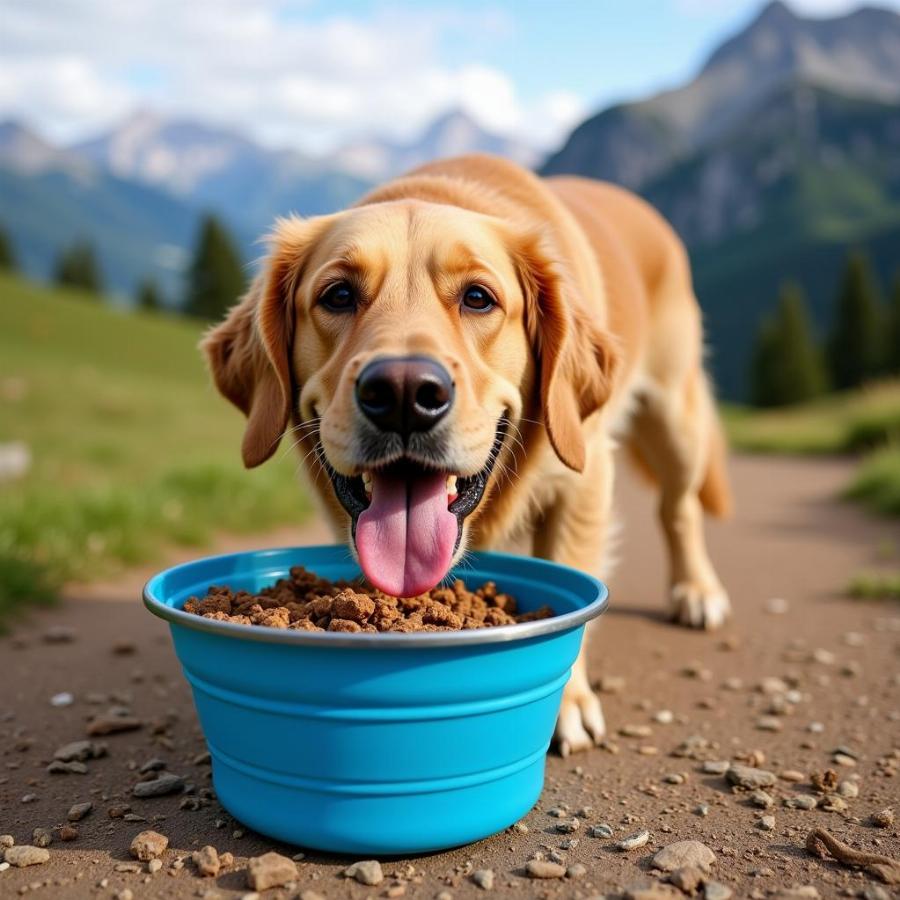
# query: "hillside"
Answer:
x=780 y=155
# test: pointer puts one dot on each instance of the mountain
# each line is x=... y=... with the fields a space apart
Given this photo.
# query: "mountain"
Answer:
x=451 y=134
x=776 y=158
x=25 y=150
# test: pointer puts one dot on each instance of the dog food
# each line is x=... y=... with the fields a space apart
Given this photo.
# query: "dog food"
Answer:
x=305 y=602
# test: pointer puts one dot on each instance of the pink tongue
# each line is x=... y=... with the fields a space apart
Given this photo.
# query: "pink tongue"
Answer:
x=405 y=538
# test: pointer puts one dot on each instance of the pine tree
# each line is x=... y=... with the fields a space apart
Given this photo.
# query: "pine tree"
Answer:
x=855 y=350
x=7 y=255
x=787 y=365
x=77 y=267
x=149 y=296
x=892 y=356
x=216 y=276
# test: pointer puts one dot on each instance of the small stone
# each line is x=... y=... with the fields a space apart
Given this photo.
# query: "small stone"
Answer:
x=59 y=634
x=883 y=819
x=776 y=606
x=124 y=647
x=849 y=790
x=57 y=767
x=762 y=800
x=118 y=810
x=806 y=892
x=148 y=844
x=633 y=841
x=874 y=892
x=674 y=778
x=270 y=870
x=636 y=731
x=749 y=778
x=152 y=765
x=576 y=870
x=815 y=728
x=715 y=766
x=543 y=868
x=306 y=895
x=7 y=840
x=792 y=775
x=365 y=872
x=558 y=812
x=484 y=878
x=68 y=833
x=111 y=723
x=207 y=862
x=127 y=868
x=653 y=892
x=167 y=783
x=687 y=879
x=767 y=823
x=154 y=865
x=80 y=750
x=842 y=759
x=25 y=855
x=602 y=830
x=79 y=810
x=62 y=699
x=520 y=828
x=568 y=827
x=833 y=803
x=714 y=890
x=124 y=894
x=29 y=798
x=41 y=837
x=769 y=723
x=664 y=717
x=682 y=854
x=801 y=801
x=611 y=684
x=702 y=810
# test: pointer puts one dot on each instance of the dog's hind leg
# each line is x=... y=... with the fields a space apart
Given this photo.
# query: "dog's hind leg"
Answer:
x=676 y=433
x=574 y=530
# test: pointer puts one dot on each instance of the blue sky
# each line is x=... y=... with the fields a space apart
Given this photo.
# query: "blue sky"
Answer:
x=315 y=73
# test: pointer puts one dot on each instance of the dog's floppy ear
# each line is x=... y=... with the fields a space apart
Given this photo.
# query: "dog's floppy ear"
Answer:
x=577 y=359
x=249 y=353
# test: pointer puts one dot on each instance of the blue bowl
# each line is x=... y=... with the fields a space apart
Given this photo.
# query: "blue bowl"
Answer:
x=377 y=744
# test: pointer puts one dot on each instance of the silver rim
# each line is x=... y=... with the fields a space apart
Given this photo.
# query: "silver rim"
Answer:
x=496 y=635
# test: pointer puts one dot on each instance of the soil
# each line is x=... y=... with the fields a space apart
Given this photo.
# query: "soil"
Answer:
x=801 y=681
x=306 y=602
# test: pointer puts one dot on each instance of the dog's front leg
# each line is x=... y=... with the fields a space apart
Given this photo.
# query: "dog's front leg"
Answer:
x=573 y=530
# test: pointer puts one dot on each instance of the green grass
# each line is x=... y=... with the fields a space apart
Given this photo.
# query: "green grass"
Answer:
x=848 y=422
x=132 y=447
x=877 y=483
x=875 y=586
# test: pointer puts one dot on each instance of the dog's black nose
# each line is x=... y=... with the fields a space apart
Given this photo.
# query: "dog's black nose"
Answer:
x=404 y=393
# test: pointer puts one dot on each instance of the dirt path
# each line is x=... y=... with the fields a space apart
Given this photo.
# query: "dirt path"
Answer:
x=791 y=540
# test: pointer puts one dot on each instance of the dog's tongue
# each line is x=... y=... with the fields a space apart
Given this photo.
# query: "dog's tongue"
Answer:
x=406 y=537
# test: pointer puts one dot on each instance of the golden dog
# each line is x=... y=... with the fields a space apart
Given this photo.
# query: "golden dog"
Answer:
x=458 y=352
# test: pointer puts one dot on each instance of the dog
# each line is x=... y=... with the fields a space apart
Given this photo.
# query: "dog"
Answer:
x=456 y=356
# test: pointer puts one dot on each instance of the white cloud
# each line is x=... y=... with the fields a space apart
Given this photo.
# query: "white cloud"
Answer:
x=75 y=66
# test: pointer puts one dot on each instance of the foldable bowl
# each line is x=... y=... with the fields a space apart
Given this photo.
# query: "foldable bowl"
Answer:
x=377 y=744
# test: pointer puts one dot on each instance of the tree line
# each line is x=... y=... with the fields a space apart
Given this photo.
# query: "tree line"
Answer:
x=214 y=279
x=790 y=365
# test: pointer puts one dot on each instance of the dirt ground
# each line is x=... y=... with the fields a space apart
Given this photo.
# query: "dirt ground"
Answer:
x=784 y=558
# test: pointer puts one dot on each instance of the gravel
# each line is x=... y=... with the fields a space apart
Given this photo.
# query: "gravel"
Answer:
x=633 y=841
x=79 y=810
x=148 y=845
x=748 y=777
x=365 y=872
x=167 y=783
x=484 y=878
x=206 y=859
x=682 y=854
x=270 y=870
x=602 y=830
x=543 y=868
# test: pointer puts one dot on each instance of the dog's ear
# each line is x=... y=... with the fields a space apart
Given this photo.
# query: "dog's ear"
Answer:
x=577 y=359
x=249 y=353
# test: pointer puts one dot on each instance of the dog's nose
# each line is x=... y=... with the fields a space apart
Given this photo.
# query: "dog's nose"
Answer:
x=404 y=394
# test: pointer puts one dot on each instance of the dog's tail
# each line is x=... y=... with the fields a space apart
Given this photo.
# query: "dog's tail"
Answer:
x=715 y=492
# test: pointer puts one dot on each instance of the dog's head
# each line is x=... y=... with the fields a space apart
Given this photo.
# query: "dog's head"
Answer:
x=406 y=341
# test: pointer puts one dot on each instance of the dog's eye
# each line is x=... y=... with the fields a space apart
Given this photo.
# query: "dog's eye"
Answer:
x=478 y=298
x=339 y=297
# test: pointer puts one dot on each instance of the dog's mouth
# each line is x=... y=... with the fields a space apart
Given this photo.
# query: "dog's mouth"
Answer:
x=407 y=518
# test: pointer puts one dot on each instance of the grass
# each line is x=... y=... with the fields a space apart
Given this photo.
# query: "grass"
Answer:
x=132 y=448
x=875 y=586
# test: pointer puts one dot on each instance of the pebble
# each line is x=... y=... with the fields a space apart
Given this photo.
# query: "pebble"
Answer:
x=716 y=766
x=7 y=840
x=633 y=841
x=154 y=865
x=792 y=775
x=602 y=830
x=636 y=731
x=683 y=854
x=118 y=810
x=270 y=870
x=849 y=790
x=167 y=783
x=26 y=855
x=484 y=878
x=842 y=759
x=611 y=684
x=701 y=809
x=664 y=717
x=883 y=819
x=769 y=723
x=767 y=823
x=652 y=892
x=367 y=871
x=57 y=767
x=749 y=777
x=124 y=894
x=62 y=699
x=568 y=827
x=806 y=892
x=307 y=895
x=801 y=801
x=776 y=606
x=112 y=724
x=148 y=844
x=60 y=634
x=79 y=810
x=41 y=837
x=80 y=751
x=576 y=870
x=762 y=800
x=543 y=868
x=687 y=879
x=714 y=890
x=68 y=833
x=152 y=765
x=206 y=859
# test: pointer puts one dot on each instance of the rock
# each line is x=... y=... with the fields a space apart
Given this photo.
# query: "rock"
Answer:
x=118 y=810
x=611 y=684
x=543 y=868
x=633 y=841
x=800 y=801
x=60 y=634
x=167 y=783
x=767 y=823
x=715 y=766
x=68 y=833
x=806 y=892
x=62 y=699
x=366 y=872
x=7 y=840
x=874 y=892
x=792 y=775
x=152 y=765
x=41 y=837
x=687 y=879
x=569 y=827
x=883 y=819
x=749 y=777
x=484 y=878
x=79 y=810
x=154 y=865
x=270 y=870
x=602 y=830
x=636 y=731
x=849 y=790
x=576 y=870
x=81 y=751
x=653 y=892
x=683 y=854
x=25 y=855
x=148 y=844
x=714 y=890
x=207 y=861
x=762 y=800
x=57 y=767
x=112 y=724
x=769 y=723
x=309 y=895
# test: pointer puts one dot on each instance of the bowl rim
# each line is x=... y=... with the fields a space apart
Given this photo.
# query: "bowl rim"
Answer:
x=394 y=640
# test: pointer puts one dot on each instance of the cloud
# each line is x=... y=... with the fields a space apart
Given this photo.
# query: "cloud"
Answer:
x=262 y=65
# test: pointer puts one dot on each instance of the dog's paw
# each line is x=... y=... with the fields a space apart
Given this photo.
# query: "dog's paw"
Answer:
x=580 y=725
x=699 y=607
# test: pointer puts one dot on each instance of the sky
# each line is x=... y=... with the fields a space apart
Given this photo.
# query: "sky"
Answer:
x=314 y=74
